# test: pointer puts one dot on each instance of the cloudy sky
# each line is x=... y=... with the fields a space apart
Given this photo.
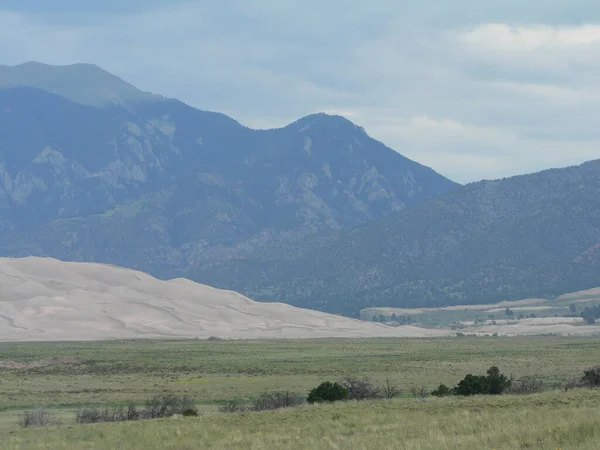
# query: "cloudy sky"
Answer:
x=473 y=88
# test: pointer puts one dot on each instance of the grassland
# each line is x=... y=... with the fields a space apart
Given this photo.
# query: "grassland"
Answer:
x=101 y=373
x=542 y=421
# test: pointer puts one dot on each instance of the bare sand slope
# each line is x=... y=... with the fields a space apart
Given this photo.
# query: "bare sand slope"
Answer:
x=47 y=299
x=581 y=296
x=564 y=326
x=512 y=304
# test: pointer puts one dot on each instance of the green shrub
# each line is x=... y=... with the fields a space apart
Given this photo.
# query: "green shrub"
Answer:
x=472 y=385
x=328 y=392
x=442 y=391
x=497 y=383
x=493 y=384
x=591 y=377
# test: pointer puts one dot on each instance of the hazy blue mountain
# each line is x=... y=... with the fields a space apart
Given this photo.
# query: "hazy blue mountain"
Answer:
x=82 y=83
x=527 y=236
x=93 y=169
x=317 y=214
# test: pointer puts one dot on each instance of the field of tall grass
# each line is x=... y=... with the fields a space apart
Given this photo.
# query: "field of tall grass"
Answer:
x=550 y=420
x=65 y=377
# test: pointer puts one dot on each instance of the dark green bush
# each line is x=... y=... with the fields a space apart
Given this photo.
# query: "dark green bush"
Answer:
x=442 y=391
x=472 y=385
x=590 y=314
x=493 y=384
x=328 y=392
x=591 y=377
x=497 y=383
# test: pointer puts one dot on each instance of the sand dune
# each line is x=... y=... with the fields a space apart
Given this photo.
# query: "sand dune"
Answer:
x=50 y=300
x=564 y=326
x=581 y=296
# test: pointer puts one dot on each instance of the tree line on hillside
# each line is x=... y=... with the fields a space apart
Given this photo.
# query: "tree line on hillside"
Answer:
x=403 y=320
x=590 y=314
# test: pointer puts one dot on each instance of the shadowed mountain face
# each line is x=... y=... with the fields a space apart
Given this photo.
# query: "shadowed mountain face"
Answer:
x=529 y=236
x=92 y=169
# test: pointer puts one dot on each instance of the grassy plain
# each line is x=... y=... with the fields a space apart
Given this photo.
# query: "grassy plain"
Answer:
x=543 y=421
x=101 y=373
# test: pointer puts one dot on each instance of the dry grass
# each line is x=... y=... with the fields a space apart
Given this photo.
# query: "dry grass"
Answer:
x=105 y=373
x=215 y=372
x=542 y=421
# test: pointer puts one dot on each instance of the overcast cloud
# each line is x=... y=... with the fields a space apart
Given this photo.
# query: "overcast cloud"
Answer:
x=474 y=89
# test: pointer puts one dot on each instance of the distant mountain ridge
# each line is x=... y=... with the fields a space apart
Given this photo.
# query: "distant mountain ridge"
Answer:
x=316 y=214
x=150 y=183
x=535 y=235
x=86 y=84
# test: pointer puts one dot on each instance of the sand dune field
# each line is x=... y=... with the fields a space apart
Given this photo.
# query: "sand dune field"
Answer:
x=43 y=299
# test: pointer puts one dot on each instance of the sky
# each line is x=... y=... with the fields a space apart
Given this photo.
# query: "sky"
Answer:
x=473 y=88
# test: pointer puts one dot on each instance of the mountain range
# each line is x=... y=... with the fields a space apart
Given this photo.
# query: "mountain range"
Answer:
x=317 y=214
x=535 y=235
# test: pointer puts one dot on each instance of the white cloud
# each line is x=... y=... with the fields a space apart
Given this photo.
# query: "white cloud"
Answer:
x=442 y=131
x=556 y=94
x=527 y=39
x=535 y=46
x=465 y=148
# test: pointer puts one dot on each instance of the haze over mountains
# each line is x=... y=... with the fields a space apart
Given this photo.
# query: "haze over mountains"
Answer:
x=316 y=214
